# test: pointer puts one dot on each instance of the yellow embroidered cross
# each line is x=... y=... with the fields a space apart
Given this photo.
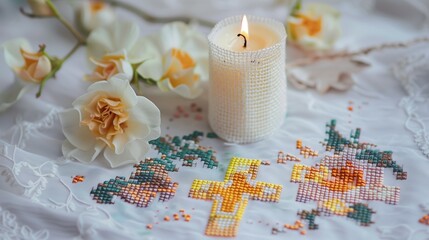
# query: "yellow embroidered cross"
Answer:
x=231 y=196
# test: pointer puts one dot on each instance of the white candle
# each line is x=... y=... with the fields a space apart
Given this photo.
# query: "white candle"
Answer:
x=259 y=36
x=247 y=98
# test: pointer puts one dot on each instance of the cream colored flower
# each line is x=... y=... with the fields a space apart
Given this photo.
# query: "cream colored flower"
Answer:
x=118 y=37
x=177 y=58
x=110 y=65
x=28 y=65
x=315 y=27
x=94 y=14
x=110 y=119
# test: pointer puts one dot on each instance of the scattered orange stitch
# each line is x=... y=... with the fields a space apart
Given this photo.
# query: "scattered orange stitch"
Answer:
x=78 y=179
x=424 y=220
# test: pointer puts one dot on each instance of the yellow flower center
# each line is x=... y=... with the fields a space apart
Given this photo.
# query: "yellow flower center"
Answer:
x=307 y=25
x=106 y=118
x=96 y=6
x=313 y=25
x=107 y=66
x=180 y=62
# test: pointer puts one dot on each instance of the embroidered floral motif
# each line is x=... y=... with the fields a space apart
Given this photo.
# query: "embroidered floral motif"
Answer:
x=149 y=179
x=11 y=229
x=186 y=149
x=340 y=182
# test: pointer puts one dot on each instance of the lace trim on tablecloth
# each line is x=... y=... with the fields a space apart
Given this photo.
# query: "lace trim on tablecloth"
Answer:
x=31 y=179
x=11 y=229
x=413 y=72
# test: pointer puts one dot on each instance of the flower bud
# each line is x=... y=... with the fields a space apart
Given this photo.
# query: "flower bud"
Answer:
x=40 y=8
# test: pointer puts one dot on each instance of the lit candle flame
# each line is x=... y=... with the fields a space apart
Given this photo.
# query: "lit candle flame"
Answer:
x=245 y=27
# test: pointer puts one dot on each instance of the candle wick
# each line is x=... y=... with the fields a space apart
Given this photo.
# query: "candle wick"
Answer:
x=245 y=39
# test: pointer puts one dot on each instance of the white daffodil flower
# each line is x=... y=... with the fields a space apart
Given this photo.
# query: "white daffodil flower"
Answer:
x=29 y=67
x=177 y=59
x=110 y=119
x=119 y=36
x=314 y=27
x=110 y=65
x=94 y=14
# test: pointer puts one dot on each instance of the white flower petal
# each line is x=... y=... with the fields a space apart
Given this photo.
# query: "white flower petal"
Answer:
x=99 y=43
x=12 y=52
x=164 y=85
x=117 y=85
x=147 y=113
x=88 y=156
x=145 y=48
x=13 y=93
x=196 y=45
x=133 y=152
x=79 y=136
x=119 y=142
x=151 y=68
x=116 y=37
x=126 y=69
x=125 y=35
x=91 y=20
x=137 y=129
x=173 y=35
x=202 y=68
x=186 y=91
x=331 y=30
x=43 y=68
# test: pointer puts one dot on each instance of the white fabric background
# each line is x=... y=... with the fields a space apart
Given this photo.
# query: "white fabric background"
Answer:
x=38 y=200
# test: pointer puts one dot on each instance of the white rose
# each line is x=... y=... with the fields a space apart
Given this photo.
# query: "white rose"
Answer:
x=94 y=14
x=110 y=119
x=314 y=27
x=177 y=58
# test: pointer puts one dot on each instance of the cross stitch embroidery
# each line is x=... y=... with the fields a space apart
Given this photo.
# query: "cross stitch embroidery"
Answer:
x=342 y=181
x=149 y=179
x=231 y=196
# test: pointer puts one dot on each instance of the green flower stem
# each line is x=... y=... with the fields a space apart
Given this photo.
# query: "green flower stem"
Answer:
x=153 y=19
x=66 y=24
x=296 y=7
x=57 y=64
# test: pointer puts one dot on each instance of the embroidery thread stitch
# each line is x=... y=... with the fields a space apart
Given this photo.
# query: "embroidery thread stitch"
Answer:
x=149 y=179
x=231 y=196
x=340 y=182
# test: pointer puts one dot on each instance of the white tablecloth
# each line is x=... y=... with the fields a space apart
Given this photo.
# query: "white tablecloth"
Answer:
x=39 y=201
